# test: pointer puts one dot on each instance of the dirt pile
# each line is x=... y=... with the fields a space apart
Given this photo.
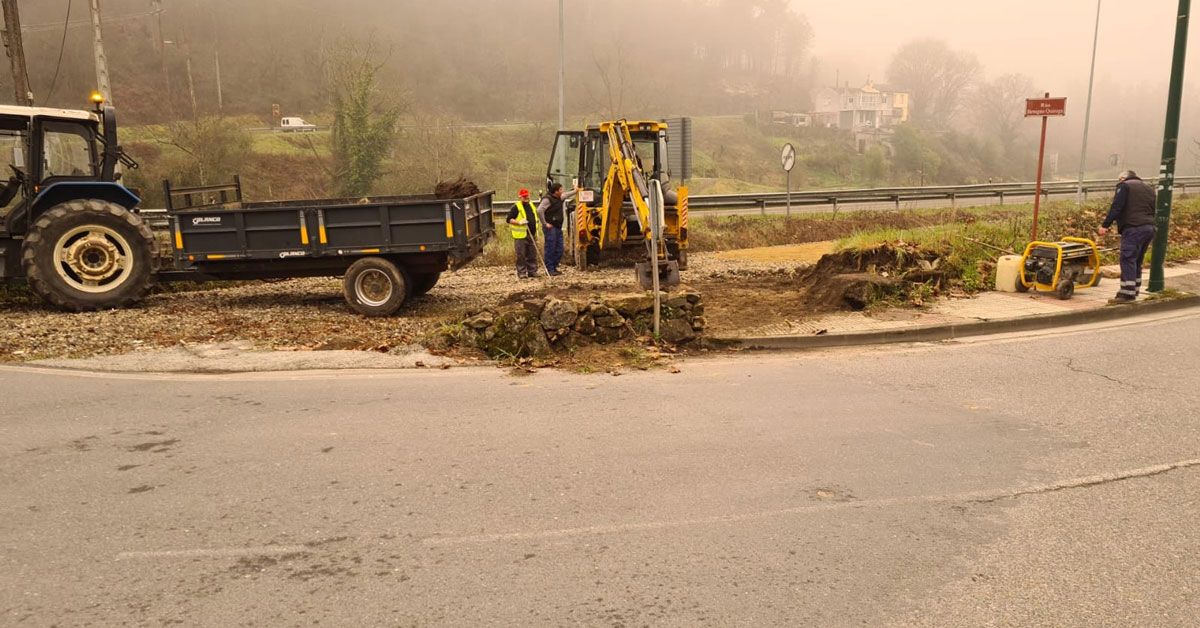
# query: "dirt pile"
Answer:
x=854 y=279
x=459 y=188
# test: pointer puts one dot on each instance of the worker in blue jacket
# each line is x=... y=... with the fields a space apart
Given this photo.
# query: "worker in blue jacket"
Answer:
x=1133 y=211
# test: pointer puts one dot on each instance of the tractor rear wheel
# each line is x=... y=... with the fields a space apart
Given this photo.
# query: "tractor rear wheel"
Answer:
x=89 y=255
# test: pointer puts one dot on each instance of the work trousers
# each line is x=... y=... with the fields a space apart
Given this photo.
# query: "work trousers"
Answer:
x=527 y=265
x=554 y=248
x=1134 y=243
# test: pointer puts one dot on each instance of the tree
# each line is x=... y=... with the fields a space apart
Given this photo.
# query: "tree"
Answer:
x=999 y=107
x=917 y=154
x=937 y=77
x=214 y=149
x=364 y=121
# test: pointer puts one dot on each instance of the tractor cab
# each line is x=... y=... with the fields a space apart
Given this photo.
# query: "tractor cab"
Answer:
x=67 y=227
x=49 y=155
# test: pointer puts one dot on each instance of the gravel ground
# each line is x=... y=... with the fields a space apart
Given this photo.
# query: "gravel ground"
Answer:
x=310 y=314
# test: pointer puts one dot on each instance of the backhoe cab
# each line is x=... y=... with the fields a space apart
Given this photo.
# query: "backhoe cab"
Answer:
x=68 y=227
x=610 y=167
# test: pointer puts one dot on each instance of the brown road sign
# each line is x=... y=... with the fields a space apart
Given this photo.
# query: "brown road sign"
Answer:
x=1035 y=107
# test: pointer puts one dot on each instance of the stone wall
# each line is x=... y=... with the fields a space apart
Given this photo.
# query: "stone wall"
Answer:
x=539 y=327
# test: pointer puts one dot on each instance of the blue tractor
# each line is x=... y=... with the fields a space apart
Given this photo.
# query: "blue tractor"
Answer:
x=68 y=227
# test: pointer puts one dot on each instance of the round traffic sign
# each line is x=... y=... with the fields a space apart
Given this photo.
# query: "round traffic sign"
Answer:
x=789 y=157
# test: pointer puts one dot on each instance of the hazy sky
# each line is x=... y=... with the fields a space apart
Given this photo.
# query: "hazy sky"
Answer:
x=1048 y=39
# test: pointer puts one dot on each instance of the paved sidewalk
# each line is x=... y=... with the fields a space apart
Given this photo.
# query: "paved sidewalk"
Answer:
x=985 y=307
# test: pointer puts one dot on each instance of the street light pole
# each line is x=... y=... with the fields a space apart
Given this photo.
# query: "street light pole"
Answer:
x=1087 y=118
x=1166 y=173
x=562 y=73
x=101 y=59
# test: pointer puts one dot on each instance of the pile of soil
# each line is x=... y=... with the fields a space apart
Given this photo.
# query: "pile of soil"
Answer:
x=854 y=279
x=459 y=188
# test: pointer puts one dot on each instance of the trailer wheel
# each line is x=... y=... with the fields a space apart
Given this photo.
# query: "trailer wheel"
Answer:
x=422 y=284
x=375 y=287
x=89 y=255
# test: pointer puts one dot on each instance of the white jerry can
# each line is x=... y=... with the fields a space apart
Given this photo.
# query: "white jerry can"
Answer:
x=1008 y=273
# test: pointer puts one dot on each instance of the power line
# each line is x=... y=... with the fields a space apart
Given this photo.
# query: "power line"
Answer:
x=35 y=28
x=61 y=49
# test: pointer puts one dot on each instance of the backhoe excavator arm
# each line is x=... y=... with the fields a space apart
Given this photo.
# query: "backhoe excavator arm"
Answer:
x=626 y=178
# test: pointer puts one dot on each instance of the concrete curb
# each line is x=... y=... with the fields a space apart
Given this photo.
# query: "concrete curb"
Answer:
x=937 y=333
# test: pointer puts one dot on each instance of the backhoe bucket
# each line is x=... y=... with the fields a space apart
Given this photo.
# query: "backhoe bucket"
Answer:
x=668 y=274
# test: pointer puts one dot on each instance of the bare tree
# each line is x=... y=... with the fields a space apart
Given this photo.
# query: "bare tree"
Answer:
x=612 y=71
x=937 y=77
x=999 y=107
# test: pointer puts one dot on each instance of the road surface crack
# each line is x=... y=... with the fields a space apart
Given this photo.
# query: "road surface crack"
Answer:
x=1075 y=369
x=1096 y=480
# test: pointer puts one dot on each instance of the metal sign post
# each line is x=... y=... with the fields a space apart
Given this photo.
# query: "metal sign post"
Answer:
x=1044 y=108
x=789 y=162
x=656 y=210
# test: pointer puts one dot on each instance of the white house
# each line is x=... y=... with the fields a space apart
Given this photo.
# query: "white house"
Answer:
x=860 y=108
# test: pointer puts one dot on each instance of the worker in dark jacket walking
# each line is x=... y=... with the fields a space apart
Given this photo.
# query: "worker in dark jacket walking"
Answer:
x=1133 y=211
x=523 y=224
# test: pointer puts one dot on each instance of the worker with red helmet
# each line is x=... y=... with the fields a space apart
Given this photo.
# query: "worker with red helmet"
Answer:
x=520 y=217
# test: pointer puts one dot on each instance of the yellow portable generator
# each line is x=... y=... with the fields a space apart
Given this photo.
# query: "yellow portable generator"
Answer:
x=1059 y=267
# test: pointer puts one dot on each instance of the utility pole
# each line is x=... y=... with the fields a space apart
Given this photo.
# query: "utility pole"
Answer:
x=1166 y=173
x=101 y=60
x=220 y=95
x=562 y=67
x=217 y=60
x=1087 y=117
x=16 y=53
x=187 y=51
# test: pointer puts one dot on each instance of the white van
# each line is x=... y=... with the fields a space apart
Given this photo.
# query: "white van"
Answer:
x=296 y=125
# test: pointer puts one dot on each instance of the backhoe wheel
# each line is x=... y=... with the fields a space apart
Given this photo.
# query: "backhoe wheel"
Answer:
x=376 y=287
x=89 y=255
x=422 y=284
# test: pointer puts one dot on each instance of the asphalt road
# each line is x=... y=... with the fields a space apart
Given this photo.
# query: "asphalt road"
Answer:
x=1048 y=481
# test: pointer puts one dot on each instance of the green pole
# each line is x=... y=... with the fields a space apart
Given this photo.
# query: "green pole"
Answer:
x=1166 y=173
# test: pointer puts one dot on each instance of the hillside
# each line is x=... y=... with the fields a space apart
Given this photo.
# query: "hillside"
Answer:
x=731 y=155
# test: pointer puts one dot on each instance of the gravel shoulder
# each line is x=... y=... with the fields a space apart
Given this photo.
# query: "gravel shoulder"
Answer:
x=311 y=315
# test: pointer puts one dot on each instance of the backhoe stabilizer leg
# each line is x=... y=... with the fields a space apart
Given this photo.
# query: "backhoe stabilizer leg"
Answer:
x=668 y=274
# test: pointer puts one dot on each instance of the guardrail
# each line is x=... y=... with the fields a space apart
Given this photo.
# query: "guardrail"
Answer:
x=895 y=196
x=899 y=195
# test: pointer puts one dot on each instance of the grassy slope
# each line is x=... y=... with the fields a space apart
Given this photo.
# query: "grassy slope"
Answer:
x=730 y=154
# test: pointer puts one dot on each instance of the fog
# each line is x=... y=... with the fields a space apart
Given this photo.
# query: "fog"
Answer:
x=1049 y=40
x=490 y=61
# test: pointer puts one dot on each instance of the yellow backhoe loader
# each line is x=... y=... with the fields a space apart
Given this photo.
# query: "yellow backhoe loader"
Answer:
x=609 y=167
